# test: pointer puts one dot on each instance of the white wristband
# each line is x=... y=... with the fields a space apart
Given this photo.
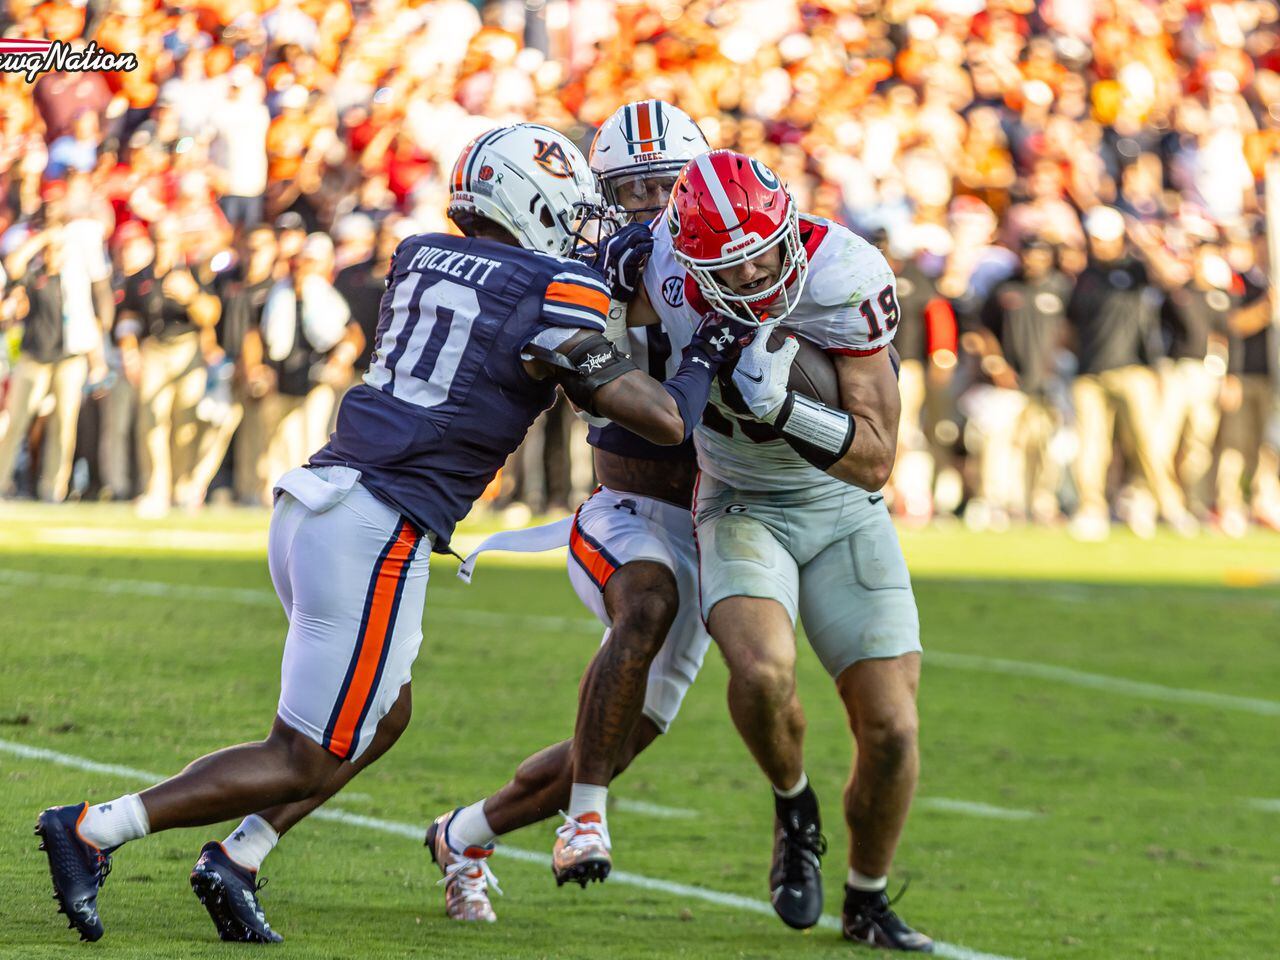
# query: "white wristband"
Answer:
x=814 y=423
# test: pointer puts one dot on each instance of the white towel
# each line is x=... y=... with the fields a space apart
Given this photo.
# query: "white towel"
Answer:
x=550 y=536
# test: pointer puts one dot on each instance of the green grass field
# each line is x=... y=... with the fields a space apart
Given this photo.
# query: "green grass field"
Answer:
x=1100 y=731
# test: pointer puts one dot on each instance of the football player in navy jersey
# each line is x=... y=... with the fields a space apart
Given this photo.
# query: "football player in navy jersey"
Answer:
x=475 y=335
x=632 y=557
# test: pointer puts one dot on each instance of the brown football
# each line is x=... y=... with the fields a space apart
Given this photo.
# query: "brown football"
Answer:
x=812 y=372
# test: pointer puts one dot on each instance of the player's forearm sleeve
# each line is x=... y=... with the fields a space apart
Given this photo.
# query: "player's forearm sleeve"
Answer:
x=690 y=386
x=820 y=434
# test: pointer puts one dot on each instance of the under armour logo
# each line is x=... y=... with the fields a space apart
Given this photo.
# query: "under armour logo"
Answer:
x=627 y=504
x=697 y=359
x=722 y=340
x=104 y=808
x=238 y=835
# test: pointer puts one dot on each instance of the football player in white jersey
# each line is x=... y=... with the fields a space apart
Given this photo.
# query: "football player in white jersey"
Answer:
x=632 y=557
x=790 y=522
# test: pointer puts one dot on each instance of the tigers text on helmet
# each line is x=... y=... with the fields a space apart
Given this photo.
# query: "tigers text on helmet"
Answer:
x=725 y=210
x=643 y=140
x=530 y=180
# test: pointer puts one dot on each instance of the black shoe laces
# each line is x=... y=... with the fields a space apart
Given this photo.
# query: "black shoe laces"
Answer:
x=880 y=911
x=799 y=842
x=902 y=892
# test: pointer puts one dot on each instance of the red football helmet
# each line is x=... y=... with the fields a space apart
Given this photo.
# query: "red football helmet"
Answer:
x=726 y=209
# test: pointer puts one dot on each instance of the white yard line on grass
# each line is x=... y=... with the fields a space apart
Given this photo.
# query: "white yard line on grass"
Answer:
x=1097 y=681
x=1266 y=805
x=416 y=832
x=205 y=541
x=970 y=809
x=942 y=804
x=490 y=618
x=644 y=808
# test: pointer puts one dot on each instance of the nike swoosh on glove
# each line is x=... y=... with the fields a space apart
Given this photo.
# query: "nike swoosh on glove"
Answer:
x=622 y=260
x=761 y=376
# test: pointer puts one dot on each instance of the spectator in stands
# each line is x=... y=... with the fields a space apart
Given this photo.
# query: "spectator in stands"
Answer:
x=243 y=290
x=309 y=341
x=1249 y=398
x=926 y=344
x=164 y=325
x=1195 y=319
x=239 y=148
x=1112 y=313
x=362 y=281
x=1020 y=331
x=61 y=351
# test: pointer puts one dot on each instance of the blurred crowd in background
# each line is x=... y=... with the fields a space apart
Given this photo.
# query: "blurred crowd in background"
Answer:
x=1070 y=191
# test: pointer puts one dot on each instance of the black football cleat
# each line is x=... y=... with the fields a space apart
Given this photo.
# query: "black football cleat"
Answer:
x=869 y=919
x=230 y=893
x=795 y=879
x=77 y=867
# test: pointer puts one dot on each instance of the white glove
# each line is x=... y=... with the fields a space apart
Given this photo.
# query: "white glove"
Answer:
x=761 y=376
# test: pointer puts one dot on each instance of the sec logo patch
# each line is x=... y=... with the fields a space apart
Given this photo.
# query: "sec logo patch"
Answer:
x=673 y=291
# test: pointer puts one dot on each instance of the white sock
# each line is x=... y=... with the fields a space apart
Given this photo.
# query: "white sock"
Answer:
x=588 y=798
x=250 y=842
x=470 y=828
x=796 y=790
x=859 y=881
x=108 y=825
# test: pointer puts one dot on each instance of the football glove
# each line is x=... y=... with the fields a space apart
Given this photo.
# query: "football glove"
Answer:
x=622 y=260
x=761 y=376
x=719 y=337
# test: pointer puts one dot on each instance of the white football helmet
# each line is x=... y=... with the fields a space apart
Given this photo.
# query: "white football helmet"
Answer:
x=532 y=181
x=642 y=141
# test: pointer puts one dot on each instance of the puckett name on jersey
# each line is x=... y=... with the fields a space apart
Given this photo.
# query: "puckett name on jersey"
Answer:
x=447 y=399
x=455 y=263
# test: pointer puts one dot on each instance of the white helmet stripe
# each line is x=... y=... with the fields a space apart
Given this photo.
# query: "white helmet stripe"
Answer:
x=716 y=189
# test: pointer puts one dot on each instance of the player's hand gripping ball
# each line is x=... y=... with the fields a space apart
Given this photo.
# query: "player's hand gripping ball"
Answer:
x=761 y=375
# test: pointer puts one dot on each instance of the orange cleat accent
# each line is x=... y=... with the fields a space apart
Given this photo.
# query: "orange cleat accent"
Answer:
x=467 y=877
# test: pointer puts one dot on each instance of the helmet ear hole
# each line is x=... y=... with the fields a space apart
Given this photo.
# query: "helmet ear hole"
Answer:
x=545 y=217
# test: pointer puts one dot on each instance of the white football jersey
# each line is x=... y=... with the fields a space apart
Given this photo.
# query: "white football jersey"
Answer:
x=849 y=306
x=657 y=350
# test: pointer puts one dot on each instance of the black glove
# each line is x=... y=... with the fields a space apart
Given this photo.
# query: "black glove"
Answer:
x=622 y=260
x=719 y=338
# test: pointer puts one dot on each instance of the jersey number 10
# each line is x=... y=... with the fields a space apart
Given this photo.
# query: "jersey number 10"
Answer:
x=421 y=348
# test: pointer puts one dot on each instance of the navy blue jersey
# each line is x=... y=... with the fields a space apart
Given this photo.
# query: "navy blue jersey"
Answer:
x=446 y=399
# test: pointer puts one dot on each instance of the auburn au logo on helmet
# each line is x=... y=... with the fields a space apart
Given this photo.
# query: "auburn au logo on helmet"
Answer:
x=552 y=158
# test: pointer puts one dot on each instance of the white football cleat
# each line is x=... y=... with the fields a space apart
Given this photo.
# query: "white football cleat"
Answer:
x=582 y=850
x=467 y=877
